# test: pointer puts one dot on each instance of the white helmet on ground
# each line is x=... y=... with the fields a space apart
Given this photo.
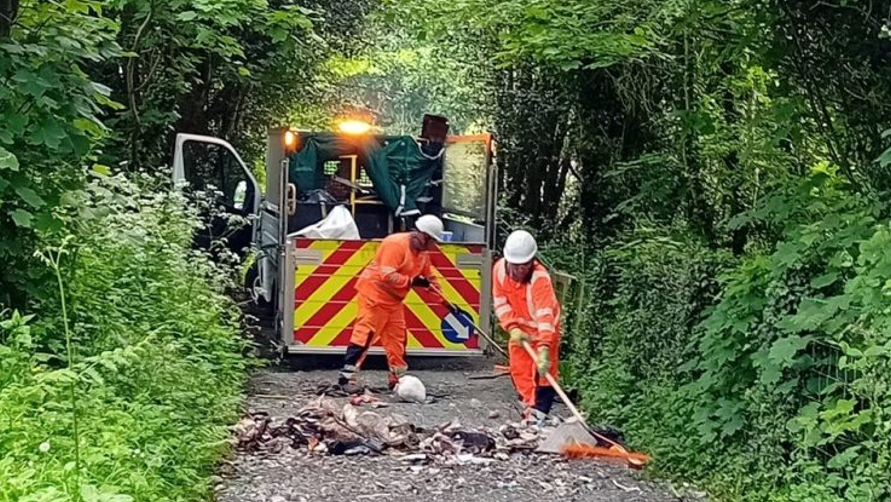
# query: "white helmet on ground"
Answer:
x=520 y=247
x=430 y=225
x=411 y=389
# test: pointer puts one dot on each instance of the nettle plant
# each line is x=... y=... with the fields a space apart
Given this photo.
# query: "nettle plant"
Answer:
x=806 y=330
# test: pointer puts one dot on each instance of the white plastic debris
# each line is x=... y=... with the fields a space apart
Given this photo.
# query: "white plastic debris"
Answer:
x=411 y=390
x=339 y=224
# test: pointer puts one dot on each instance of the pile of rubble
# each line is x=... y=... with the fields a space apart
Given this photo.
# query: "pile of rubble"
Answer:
x=323 y=427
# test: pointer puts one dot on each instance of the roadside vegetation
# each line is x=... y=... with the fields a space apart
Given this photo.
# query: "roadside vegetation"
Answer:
x=122 y=361
x=714 y=173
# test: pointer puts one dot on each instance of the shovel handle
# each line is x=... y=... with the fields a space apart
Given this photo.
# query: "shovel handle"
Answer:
x=568 y=402
x=479 y=330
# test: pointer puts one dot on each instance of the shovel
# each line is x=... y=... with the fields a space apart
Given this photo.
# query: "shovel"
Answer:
x=575 y=438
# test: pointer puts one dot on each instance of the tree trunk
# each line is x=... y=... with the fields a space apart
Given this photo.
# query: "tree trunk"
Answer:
x=9 y=10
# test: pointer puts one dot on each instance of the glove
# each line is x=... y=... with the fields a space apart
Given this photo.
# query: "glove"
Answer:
x=518 y=336
x=544 y=361
x=421 y=282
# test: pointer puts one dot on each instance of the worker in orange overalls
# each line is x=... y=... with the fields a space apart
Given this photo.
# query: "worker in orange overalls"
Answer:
x=527 y=308
x=401 y=262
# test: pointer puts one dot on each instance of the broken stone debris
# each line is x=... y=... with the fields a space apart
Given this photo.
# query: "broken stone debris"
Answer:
x=368 y=399
x=322 y=427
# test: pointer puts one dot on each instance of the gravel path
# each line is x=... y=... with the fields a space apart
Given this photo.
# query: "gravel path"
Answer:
x=293 y=476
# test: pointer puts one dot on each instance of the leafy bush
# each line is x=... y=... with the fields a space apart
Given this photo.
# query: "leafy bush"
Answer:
x=778 y=387
x=49 y=123
x=794 y=359
x=135 y=405
x=645 y=293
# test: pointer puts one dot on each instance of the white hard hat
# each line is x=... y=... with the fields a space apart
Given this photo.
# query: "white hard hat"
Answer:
x=520 y=247
x=430 y=225
x=411 y=389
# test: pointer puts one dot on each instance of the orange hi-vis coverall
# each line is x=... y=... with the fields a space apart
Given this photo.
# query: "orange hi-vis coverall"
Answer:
x=382 y=289
x=532 y=307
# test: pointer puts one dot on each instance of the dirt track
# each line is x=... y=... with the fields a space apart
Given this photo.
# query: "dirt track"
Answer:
x=292 y=475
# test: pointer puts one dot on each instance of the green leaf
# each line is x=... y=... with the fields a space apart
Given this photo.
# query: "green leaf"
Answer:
x=49 y=133
x=186 y=16
x=885 y=158
x=824 y=280
x=91 y=127
x=101 y=170
x=15 y=48
x=876 y=351
x=244 y=72
x=31 y=83
x=17 y=123
x=783 y=351
x=8 y=160
x=30 y=197
x=22 y=218
x=844 y=458
x=842 y=408
x=89 y=493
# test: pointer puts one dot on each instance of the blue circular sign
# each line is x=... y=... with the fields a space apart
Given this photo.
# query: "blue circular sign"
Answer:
x=457 y=327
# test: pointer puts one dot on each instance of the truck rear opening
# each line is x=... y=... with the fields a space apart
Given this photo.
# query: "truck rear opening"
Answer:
x=456 y=188
x=380 y=185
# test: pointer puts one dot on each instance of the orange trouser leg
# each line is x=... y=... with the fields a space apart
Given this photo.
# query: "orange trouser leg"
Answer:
x=368 y=323
x=366 y=331
x=394 y=338
x=375 y=323
x=524 y=373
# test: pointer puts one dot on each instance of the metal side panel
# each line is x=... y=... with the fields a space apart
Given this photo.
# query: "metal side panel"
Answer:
x=286 y=293
x=486 y=318
x=324 y=296
x=268 y=256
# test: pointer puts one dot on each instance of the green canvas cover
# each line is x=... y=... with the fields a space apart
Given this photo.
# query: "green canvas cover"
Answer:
x=398 y=169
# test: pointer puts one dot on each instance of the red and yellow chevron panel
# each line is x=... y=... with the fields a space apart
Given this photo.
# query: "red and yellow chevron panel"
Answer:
x=325 y=295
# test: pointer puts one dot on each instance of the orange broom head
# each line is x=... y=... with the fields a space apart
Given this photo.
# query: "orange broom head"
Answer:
x=617 y=452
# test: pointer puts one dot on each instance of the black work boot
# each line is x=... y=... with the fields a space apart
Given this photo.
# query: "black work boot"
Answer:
x=347 y=378
x=544 y=398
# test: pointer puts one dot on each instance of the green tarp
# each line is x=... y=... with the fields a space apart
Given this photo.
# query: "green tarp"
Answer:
x=398 y=169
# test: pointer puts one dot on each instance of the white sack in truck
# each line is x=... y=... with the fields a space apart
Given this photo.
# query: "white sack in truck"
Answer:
x=339 y=224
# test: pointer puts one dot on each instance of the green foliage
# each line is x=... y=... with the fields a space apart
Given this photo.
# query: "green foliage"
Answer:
x=209 y=67
x=770 y=383
x=788 y=330
x=50 y=112
x=670 y=144
x=119 y=384
x=138 y=408
x=108 y=83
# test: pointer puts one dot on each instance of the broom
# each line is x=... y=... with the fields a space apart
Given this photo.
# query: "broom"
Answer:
x=573 y=441
x=576 y=440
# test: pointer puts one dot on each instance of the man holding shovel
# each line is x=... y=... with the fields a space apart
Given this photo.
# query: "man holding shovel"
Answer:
x=401 y=263
x=527 y=308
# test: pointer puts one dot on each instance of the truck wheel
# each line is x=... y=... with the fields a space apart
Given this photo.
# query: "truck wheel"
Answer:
x=252 y=280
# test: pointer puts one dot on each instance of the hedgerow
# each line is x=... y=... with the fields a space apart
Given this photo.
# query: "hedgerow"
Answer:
x=121 y=385
x=763 y=377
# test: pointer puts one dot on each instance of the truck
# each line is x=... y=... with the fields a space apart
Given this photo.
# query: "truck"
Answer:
x=359 y=187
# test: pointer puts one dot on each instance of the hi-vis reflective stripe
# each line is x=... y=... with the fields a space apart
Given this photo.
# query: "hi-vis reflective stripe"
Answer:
x=325 y=295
